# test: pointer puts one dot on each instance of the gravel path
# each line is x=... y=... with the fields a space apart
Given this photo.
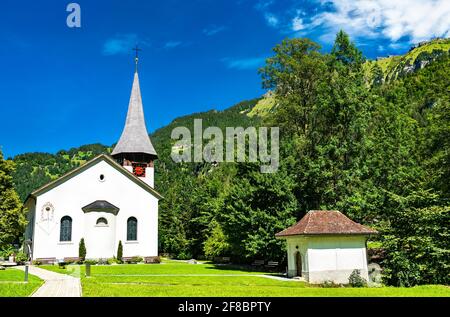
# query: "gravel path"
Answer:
x=56 y=285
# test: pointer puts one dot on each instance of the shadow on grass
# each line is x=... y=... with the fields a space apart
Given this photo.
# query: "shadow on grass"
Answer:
x=244 y=268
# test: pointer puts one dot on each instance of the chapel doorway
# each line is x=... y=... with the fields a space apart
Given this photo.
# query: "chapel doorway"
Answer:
x=298 y=264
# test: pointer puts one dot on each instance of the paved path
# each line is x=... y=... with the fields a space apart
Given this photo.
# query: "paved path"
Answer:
x=56 y=284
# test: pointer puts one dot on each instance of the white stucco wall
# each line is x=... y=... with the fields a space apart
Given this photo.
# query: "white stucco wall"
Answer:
x=328 y=258
x=101 y=242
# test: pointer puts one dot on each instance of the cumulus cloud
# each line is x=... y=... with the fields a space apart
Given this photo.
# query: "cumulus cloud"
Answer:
x=244 y=63
x=122 y=44
x=416 y=20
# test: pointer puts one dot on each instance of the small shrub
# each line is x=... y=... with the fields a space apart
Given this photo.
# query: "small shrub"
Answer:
x=82 y=249
x=112 y=260
x=102 y=262
x=6 y=252
x=21 y=258
x=184 y=256
x=355 y=279
x=91 y=262
x=136 y=259
x=36 y=262
x=329 y=284
x=120 y=252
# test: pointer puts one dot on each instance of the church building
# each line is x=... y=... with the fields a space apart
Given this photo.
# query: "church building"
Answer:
x=106 y=200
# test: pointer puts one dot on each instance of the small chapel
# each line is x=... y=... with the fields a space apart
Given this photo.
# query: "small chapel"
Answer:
x=109 y=199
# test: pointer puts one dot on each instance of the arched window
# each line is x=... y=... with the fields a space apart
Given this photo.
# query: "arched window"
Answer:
x=102 y=222
x=132 y=229
x=65 y=233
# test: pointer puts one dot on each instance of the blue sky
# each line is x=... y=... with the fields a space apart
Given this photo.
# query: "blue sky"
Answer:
x=63 y=87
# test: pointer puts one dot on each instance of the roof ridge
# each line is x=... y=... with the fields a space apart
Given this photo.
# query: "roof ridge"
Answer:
x=108 y=159
x=309 y=214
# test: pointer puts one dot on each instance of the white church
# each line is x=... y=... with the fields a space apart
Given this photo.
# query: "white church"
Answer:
x=107 y=200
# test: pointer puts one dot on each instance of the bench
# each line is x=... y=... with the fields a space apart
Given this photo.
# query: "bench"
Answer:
x=222 y=259
x=152 y=259
x=131 y=259
x=272 y=265
x=258 y=263
x=46 y=260
x=72 y=260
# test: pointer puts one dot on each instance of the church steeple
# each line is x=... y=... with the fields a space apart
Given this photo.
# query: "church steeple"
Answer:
x=134 y=148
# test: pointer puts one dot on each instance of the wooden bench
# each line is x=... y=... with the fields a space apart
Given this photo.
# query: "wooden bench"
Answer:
x=130 y=259
x=222 y=259
x=46 y=260
x=258 y=263
x=152 y=259
x=272 y=265
x=72 y=260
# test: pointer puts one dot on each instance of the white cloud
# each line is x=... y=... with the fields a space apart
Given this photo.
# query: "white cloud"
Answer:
x=271 y=19
x=122 y=44
x=416 y=19
x=297 y=24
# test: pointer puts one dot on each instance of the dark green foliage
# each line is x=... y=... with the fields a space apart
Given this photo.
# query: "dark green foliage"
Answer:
x=119 y=252
x=255 y=209
x=216 y=244
x=12 y=216
x=37 y=169
x=356 y=280
x=21 y=258
x=82 y=250
x=345 y=51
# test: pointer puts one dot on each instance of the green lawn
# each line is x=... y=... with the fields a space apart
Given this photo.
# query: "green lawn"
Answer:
x=12 y=283
x=187 y=280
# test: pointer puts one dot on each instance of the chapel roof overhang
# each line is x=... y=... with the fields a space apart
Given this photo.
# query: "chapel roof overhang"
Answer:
x=101 y=206
x=134 y=138
x=325 y=222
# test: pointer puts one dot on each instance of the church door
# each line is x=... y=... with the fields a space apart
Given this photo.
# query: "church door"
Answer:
x=298 y=263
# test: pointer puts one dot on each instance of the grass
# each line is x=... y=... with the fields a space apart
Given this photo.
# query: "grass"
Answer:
x=12 y=283
x=187 y=280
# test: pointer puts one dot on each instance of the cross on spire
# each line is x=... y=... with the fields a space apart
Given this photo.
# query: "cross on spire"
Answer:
x=136 y=59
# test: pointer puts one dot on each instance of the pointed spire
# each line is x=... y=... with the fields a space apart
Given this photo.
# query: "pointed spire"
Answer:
x=134 y=138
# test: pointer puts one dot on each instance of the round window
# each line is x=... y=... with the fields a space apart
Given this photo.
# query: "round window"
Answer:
x=101 y=177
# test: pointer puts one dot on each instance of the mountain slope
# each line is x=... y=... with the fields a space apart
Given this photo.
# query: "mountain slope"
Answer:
x=392 y=67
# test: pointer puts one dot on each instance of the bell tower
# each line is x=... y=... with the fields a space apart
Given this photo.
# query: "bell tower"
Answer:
x=135 y=151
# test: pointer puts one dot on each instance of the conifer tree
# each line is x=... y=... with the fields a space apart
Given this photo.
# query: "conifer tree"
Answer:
x=12 y=216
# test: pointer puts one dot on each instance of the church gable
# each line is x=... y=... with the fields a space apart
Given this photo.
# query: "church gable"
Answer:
x=105 y=158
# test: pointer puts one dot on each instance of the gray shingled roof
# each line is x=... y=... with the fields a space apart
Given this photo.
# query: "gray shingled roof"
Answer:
x=134 y=138
x=101 y=205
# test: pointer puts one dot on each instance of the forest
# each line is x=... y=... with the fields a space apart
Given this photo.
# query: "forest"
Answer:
x=368 y=138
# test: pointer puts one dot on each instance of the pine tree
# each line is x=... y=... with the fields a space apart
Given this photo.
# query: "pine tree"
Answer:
x=120 y=252
x=12 y=216
x=82 y=250
x=345 y=50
